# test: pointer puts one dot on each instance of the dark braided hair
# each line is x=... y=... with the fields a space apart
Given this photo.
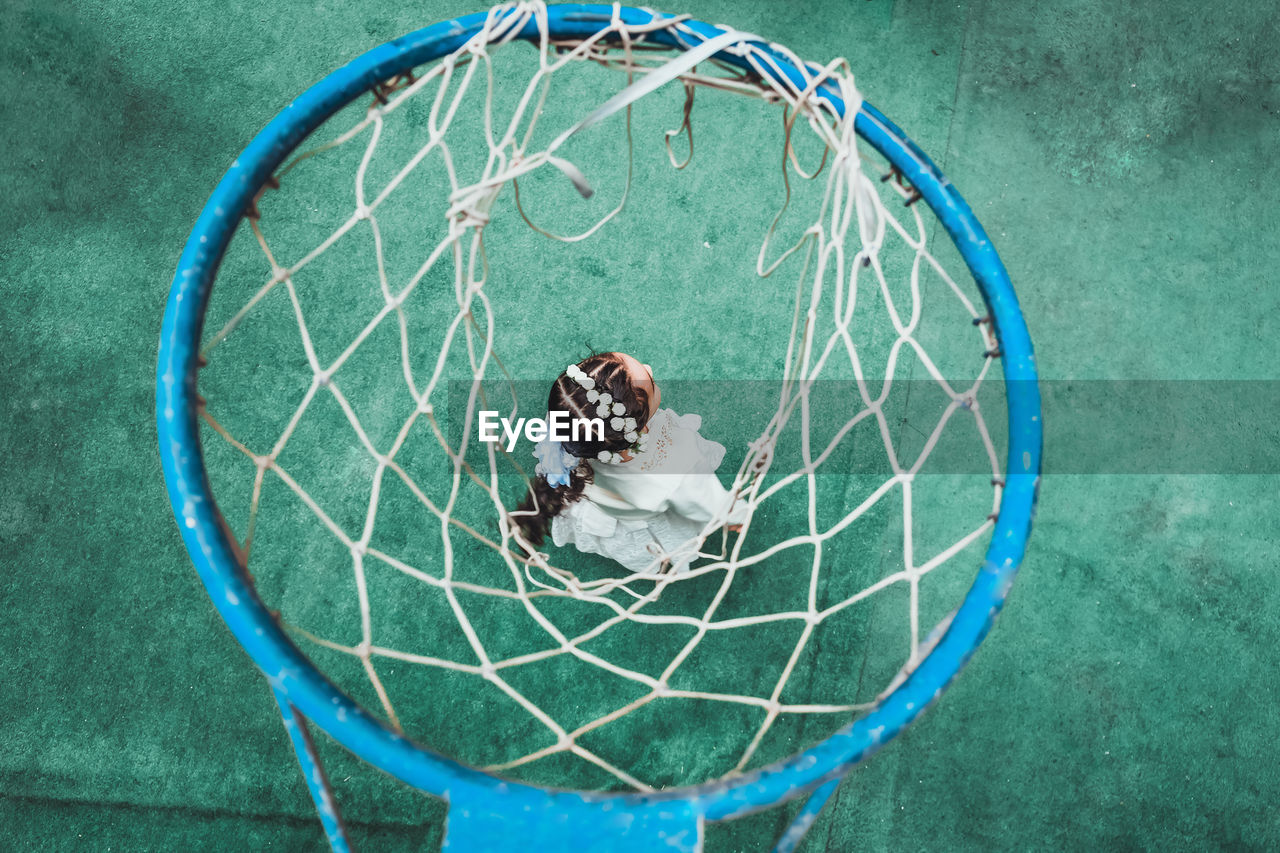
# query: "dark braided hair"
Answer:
x=545 y=501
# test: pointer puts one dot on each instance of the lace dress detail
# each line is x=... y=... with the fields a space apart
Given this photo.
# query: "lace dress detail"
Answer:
x=651 y=512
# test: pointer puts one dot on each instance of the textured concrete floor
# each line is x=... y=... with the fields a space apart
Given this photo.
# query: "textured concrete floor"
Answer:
x=1120 y=158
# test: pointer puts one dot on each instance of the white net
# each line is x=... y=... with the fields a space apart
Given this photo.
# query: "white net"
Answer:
x=389 y=549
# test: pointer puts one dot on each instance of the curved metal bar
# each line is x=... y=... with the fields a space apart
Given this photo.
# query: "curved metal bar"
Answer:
x=315 y=777
x=799 y=826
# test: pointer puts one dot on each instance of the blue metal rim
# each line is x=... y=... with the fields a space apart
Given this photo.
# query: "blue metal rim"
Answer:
x=295 y=678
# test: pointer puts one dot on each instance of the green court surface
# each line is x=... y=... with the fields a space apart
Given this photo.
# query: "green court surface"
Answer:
x=1121 y=160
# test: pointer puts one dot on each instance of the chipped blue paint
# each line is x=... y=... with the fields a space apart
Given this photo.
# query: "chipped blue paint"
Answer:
x=525 y=811
x=313 y=773
x=794 y=834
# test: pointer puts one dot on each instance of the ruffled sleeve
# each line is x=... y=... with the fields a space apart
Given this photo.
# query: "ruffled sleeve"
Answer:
x=676 y=473
x=650 y=512
x=700 y=497
x=703 y=454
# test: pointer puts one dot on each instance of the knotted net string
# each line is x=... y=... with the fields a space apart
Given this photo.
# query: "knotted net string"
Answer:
x=840 y=249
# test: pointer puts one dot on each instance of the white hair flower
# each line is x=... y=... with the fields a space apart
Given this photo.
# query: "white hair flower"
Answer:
x=593 y=396
x=619 y=409
x=631 y=437
x=606 y=456
x=577 y=374
x=616 y=424
x=606 y=398
x=603 y=411
x=630 y=424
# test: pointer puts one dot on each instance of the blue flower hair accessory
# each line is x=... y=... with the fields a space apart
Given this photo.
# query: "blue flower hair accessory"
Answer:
x=554 y=462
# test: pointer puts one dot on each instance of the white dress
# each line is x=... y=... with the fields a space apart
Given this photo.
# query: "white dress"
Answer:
x=652 y=510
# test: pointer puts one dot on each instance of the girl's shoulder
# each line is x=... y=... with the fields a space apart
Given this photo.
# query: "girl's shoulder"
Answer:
x=677 y=447
x=667 y=419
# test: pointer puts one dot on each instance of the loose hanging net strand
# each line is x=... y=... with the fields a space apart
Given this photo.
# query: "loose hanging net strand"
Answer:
x=838 y=252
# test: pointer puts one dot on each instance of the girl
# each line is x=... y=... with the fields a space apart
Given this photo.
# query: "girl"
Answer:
x=641 y=496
